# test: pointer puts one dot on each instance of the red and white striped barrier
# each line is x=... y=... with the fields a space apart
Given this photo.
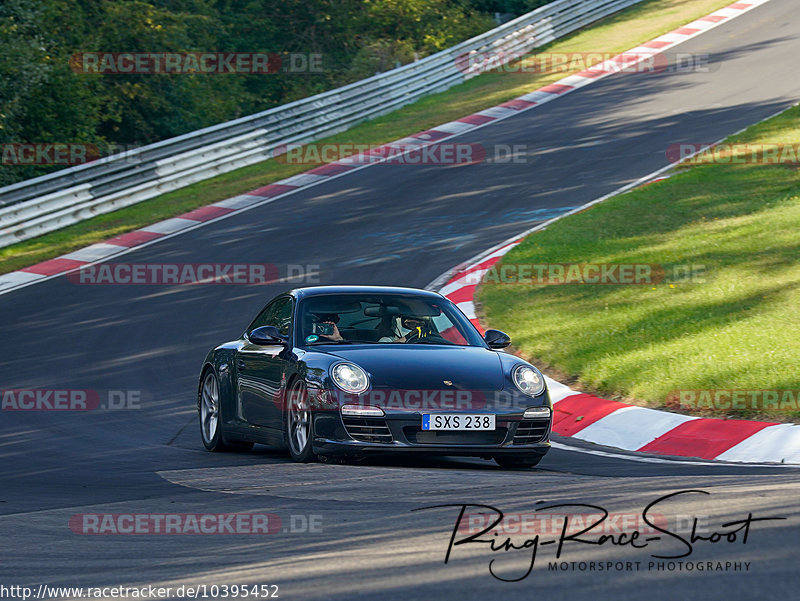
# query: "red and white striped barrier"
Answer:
x=632 y=428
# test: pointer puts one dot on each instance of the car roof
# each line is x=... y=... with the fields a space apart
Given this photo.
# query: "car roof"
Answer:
x=309 y=291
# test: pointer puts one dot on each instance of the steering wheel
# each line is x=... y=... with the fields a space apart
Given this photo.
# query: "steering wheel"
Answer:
x=413 y=337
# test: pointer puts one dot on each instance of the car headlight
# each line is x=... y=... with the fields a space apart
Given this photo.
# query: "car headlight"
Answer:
x=350 y=377
x=528 y=380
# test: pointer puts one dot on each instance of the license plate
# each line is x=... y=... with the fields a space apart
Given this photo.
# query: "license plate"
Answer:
x=457 y=421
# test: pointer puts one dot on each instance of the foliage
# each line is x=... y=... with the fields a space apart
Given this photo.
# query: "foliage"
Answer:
x=45 y=96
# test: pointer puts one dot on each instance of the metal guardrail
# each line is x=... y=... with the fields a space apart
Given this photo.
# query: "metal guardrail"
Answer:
x=43 y=204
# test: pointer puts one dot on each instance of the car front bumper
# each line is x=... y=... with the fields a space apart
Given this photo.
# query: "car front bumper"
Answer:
x=401 y=432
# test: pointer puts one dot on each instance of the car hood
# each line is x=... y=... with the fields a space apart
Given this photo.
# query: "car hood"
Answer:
x=426 y=367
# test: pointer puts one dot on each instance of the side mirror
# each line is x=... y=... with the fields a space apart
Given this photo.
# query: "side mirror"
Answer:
x=496 y=339
x=267 y=335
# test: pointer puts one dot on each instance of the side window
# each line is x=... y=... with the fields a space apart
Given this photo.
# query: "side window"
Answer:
x=278 y=313
x=283 y=316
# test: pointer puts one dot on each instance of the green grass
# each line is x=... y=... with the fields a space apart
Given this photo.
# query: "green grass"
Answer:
x=737 y=330
x=616 y=34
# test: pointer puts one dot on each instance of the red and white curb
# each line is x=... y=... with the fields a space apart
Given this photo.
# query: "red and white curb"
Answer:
x=119 y=245
x=631 y=428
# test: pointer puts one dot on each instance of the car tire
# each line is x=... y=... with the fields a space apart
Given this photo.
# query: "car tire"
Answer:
x=512 y=461
x=208 y=408
x=299 y=427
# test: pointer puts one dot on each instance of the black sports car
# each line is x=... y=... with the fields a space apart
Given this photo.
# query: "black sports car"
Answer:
x=349 y=370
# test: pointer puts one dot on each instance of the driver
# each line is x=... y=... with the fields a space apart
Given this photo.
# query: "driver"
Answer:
x=408 y=327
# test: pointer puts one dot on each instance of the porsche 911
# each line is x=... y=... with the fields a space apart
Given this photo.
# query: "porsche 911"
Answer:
x=344 y=371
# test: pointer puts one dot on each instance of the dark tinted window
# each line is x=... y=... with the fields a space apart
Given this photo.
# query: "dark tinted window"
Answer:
x=384 y=319
x=278 y=313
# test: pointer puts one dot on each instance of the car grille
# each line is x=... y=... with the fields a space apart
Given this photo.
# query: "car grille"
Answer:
x=415 y=435
x=531 y=431
x=367 y=429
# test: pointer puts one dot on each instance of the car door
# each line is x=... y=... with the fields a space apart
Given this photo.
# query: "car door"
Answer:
x=261 y=369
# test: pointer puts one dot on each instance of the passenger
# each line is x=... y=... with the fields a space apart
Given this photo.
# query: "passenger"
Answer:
x=329 y=319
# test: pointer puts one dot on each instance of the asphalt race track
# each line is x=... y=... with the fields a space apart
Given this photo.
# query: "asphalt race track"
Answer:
x=355 y=533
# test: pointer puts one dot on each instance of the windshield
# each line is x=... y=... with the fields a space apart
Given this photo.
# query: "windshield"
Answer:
x=383 y=319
